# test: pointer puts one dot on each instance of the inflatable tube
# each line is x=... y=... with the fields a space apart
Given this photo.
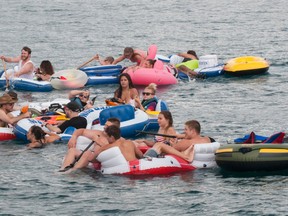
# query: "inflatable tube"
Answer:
x=205 y=155
x=92 y=115
x=252 y=157
x=102 y=70
x=246 y=65
x=22 y=127
x=163 y=58
x=22 y=84
x=158 y=75
x=6 y=134
x=98 y=80
x=130 y=120
x=69 y=79
x=113 y=162
x=213 y=71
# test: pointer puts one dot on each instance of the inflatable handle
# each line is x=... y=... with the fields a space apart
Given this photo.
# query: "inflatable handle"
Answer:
x=152 y=51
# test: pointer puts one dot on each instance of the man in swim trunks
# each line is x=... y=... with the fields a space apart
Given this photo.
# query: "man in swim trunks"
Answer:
x=185 y=147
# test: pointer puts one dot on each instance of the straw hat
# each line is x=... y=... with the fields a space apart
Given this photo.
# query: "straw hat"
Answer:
x=5 y=99
x=13 y=95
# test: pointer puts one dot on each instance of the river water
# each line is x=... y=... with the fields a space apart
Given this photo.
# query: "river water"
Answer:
x=69 y=33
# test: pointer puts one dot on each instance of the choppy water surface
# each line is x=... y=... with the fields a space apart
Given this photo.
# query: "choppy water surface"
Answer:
x=69 y=33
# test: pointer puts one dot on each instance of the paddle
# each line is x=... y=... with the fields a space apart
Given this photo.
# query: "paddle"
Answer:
x=156 y=134
x=7 y=80
x=77 y=159
x=90 y=60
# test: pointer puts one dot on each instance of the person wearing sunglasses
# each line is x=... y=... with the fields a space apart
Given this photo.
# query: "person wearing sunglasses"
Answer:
x=6 y=106
x=45 y=71
x=149 y=101
x=81 y=97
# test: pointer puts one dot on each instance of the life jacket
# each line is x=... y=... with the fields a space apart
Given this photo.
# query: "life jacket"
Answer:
x=146 y=103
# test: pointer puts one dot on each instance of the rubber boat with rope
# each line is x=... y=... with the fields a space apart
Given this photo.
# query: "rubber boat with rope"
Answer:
x=246 y=65
x=253 y=157
x=113 y=162
x=254 y=153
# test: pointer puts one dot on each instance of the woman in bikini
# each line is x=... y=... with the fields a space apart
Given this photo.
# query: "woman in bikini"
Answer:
x=126 y=93
x=165 y=122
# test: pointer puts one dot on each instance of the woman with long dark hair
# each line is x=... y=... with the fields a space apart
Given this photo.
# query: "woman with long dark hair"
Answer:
x=38 y=137
x=126 y=92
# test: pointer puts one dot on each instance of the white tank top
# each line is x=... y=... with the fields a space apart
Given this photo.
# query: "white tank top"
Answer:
x=27 y=75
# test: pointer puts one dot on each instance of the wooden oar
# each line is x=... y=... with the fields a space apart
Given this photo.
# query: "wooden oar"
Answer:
x=156 y=134
x=7 y=80
x=77 y=159
x=90 y=60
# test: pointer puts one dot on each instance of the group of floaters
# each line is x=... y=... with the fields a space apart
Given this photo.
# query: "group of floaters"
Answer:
x=254 y=152
x=133 y=167
x=117 y=160
x=149 y=67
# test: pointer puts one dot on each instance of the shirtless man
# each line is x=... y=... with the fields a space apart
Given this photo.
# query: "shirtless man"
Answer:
x=6 y=106
x=127 y=148
x=94 y=135
x=25 y=68
x=185 y=147
x=136 y=56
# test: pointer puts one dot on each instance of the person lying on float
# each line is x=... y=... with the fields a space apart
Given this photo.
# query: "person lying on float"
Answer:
x=134 y=55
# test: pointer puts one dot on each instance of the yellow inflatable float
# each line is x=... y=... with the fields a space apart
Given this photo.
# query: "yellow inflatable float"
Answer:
x=246 y=65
